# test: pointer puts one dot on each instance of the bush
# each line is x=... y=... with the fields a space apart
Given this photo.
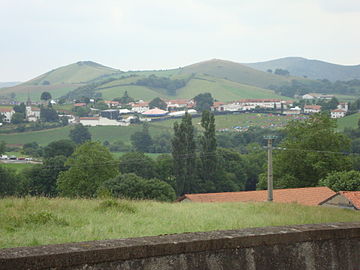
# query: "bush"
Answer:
x=132 y=186
x=119 y=206
x=342 y=181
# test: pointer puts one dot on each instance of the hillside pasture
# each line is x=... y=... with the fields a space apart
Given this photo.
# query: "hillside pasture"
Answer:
x=350 y=121
x=40 y=221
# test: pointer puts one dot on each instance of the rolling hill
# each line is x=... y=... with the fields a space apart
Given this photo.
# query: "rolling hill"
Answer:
x=59 y=81
x=236 y=72
x=221 y=89
x=312 y=69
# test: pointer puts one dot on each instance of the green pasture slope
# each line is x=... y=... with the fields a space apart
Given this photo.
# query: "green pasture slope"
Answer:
x=350 y=121
x=40 y=221
x=220 y=89
x=109 y=133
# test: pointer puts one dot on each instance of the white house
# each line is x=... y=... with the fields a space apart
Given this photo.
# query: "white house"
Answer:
x=32 y=113
x=343 y=106
x=8 y=113
x=140 y=107
x=312 y=96
x=338 y=113
x=293 y=111
x=176 y=104
x=312 y=109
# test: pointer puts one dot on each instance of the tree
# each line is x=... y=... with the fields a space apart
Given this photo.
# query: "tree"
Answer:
x=165 y=169
x=158 y=103
x=203 y=102
x=81 y=111
x=141 y=140
x=101 y=106
x=342 y=181
x=17 y=118
x=2 y=147
x=125 y=99
x=40 y=180
x=183 y=152
x=48 y=114
x=59 y=148
x=138 y=163
x=282 y=72
x=132 y=186
x=45 y=96
x=89 y=166
x=309 y=152
x=80 y=134
x=32 y=149
x=9 y=181
x=20 y=108
x=208 y=148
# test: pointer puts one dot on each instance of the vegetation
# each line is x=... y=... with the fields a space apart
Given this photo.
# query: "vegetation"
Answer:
x=80 y=134
x=89 y=166
x=170 y=85
x=203 y=102
x=157 y=103
x=342 y=181
x=39 y=221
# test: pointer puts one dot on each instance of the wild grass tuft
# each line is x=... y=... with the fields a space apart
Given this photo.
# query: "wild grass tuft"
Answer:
x=119 y=206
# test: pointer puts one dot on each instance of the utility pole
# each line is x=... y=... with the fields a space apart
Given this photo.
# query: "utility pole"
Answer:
x=270 y=139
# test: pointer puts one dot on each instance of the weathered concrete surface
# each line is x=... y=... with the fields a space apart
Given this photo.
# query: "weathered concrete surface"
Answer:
x=320 y=246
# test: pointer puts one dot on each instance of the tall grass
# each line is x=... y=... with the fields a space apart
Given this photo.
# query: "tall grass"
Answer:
x=39 y=221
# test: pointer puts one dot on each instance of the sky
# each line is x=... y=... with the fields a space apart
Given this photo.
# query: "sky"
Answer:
x=39 y=35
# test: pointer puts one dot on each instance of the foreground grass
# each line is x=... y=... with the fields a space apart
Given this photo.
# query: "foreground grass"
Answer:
x=38 y=221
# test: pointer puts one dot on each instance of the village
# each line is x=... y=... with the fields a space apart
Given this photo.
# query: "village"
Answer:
x=119 y=114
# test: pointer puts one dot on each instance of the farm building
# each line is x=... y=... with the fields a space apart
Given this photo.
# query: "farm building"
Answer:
x=344 y=199
x=155 y=113
x=8 y=113
x=312 y=109
x=304 y=196
x=338 y=113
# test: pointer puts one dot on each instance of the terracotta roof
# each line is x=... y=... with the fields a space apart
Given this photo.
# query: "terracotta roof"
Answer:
x=353 y=196
x=338 y=110
x=178 y=101
x=305 y=196
x=141 y=104
x=89 y=118
x=218 y=103
x=80 y=104
x=155 y=111
x=111 y=102
x=3 y=110
x=314 y=107
x=35 y=109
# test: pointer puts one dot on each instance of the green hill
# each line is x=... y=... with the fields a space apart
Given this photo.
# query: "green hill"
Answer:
x=312 y=69
x=59 y=81
x=221 y=89
x=80 y=72
x=236 y=72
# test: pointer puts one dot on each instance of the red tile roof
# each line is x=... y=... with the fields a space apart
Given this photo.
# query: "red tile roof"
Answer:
x=3 y=110
x=353 y=196
x=338 y=110
x=305 y=196
x=80 y=104
x=89 y=118
x=314 y=107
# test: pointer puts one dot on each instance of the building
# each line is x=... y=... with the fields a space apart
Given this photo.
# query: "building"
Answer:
x=81 y=104
x=182 y=113
x=313 y=96
x=344 y=199
x=177 y=104
x=32 y=114
x=110 y=114
x=312 y=109
x=304 y=196
x=112 y=104
x=338 y=113
x=140 y=107
x=343 y=106
x=8 y=113
x=293 y=111
x=155 y=113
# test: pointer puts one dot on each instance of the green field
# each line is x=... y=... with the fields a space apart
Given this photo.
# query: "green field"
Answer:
x=101 y=133
x=350 y=121
x=242 y=120
x=39 y=221
x=17 y=166
x=220 y=89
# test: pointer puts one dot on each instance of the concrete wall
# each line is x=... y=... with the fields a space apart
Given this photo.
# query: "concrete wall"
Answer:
x=322 y=246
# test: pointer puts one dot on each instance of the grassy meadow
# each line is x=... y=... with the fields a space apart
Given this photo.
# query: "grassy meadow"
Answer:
x=350 y=121
x=34 y=221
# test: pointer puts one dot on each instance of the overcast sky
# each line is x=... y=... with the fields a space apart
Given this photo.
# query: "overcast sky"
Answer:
x=39 y=35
